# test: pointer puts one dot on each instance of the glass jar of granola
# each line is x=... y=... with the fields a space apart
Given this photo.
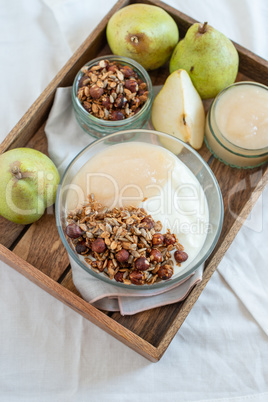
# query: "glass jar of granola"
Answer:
x=112 y=93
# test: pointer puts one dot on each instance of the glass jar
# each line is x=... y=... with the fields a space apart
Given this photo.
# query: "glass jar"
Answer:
x=233 y=123
x=99 y=128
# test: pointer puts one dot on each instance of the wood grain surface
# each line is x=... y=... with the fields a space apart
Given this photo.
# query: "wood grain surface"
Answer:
x=37 y=251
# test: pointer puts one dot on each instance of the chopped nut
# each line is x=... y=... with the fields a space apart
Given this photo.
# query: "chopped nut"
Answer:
x=73 y=231
x=95 y=92
x=122 y=255
x=142 y=264
x=155 y=255
x=128 y=72
x=104 y=90
x=137 y=277
x=98 y=246
x=132 y=85
x=158 y=239
x=165 y=272
x=119 y=276
x=121 y=243
x=117 y=115
x=81 y=248
x=180 y=256
x=169 y=239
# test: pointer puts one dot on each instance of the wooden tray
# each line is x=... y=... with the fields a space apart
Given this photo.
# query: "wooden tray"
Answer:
x=36 y=250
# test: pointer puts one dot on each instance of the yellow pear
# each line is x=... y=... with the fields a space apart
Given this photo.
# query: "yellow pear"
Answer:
x=28 y=185
x=178 y=110
x=145 y=33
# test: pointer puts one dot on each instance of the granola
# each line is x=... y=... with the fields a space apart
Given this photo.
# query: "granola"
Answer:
x=125 y=244
x=111 y=91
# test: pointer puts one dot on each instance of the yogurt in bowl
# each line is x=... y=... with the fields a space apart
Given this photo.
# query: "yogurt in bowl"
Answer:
x=179 y=191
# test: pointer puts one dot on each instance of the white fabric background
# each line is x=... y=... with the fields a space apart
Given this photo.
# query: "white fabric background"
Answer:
x=50 y=353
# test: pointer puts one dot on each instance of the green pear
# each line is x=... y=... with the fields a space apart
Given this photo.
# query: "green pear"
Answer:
x=178 y=110
x=145 y=33
x=29 y=181
x=209 y=57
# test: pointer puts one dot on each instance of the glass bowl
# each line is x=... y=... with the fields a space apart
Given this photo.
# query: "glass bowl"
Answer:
x=189 y=157
x=98 y=127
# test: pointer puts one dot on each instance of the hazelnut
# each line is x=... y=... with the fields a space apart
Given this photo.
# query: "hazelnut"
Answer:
x=84 y=80
x=142 y=85
x=81 y=248
x=132 y=85
x=112 y=68
x=180 y=256
x=143 y=98
x=120 y=101
x=155 y=255
x=73 y=231
x=116 y=115
x=95 y=92
x=122 y=255
x=127 y=71
x=137 y=277
x=119 y=276
x=169 y=239
x=158 y=239
x=106 y=102
x=165 y=272
x=142 y=264
x=98 y=246
x=148 y=222
x=87 y=106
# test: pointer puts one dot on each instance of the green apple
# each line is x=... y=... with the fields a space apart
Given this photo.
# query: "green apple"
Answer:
x=209 y=57
x=145 y=33
x=178 y=110
x=29 y=181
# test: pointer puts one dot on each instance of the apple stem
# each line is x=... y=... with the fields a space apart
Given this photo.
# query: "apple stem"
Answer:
x=202 y=28
x=17 y=173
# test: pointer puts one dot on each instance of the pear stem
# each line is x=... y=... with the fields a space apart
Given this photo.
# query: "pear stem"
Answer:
x=16 y=172
x=202 y=28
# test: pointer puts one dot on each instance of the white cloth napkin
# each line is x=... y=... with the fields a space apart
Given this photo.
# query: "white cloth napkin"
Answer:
x=65 y=140
x=112 y=298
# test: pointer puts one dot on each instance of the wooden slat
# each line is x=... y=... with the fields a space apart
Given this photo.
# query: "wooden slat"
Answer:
x=42 y=247
x=9 y=232
x=237 y=189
